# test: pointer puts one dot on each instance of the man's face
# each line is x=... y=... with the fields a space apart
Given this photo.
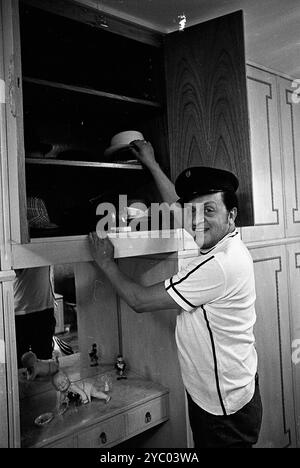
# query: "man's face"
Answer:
x=215 y=222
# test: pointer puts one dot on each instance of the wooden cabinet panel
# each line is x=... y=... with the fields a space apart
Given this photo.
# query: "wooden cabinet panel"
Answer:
x=104 y=434
x=96 y=313
x=148 y=343
x=265 y=156
x=207 y=101
x=290 y=124
x=272 y=331
x=14 y=121
x=293 y=252
x=69 y=442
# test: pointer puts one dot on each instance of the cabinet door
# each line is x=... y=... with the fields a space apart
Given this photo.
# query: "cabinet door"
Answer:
x=14 y=120
x=265 y=157
x=293 y=251
x=272 y=332
x=207 y=102
x=5 y=260
x=290 y=124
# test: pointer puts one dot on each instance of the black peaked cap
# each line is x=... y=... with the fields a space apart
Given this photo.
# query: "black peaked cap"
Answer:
x=200 y=180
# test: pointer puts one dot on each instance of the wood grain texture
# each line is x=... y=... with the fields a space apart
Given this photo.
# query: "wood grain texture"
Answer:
x=207 y=101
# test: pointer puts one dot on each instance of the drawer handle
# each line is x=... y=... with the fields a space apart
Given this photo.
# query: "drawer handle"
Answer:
x=103 y=438
x=147 y=417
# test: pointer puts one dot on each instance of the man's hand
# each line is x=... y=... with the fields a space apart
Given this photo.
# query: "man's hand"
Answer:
x=143 y=151
x=102 y=250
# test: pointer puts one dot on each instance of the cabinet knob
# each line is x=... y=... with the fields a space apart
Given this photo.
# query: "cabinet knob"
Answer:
x=103 y=438
x=148 y=417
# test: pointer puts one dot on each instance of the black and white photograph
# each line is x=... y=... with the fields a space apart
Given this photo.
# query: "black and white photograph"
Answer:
x=149 y=227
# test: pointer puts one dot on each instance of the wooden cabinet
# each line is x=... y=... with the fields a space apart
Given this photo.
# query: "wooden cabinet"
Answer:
x=290 y=121
x=103 y=435
x=136 y=405
x=273 y=338
x=265 y=156
x=207 y=102
x=64 y=86
x=70 y=92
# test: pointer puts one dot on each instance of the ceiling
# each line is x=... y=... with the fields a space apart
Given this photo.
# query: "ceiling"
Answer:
x=272 y=27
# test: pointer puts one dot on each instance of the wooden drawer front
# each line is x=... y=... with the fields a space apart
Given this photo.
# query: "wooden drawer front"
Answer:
x=140 y=419
x=69 y=442
x=103 y=434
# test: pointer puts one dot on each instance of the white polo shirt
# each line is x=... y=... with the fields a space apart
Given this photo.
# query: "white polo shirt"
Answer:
x=214 y=331
x=33 y=290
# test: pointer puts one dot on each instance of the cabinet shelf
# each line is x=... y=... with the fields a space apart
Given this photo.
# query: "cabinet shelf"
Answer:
x=93 y=92
x=108 y=165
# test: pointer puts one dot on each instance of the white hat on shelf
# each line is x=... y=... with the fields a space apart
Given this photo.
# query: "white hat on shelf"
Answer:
x=121 y=141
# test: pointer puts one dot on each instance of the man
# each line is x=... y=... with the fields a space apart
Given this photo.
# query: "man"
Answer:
x=34 y=312
x=216 y=295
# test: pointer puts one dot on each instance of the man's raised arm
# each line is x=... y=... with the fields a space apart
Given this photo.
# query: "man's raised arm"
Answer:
x=144 y=151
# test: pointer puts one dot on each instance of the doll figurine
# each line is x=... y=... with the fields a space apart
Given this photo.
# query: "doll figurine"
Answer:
x=80 y=392
x=93 y=355
x=38 y=367
x=120 y=366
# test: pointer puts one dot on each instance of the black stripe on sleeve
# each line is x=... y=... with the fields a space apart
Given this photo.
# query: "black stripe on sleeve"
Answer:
x=180 y=295
x=215 y=361
x=193 y=271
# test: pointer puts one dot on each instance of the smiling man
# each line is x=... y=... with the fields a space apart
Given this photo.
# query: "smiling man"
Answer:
x=215 y=297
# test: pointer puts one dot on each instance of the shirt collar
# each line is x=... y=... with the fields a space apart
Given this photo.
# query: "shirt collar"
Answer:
x=230 y=234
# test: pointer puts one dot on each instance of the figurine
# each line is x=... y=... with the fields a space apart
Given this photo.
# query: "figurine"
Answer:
x=120 y=366
x=79 y=393
x=38 y=367
x=93 y=355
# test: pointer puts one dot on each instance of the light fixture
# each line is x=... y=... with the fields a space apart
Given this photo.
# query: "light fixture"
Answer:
x=181 y=22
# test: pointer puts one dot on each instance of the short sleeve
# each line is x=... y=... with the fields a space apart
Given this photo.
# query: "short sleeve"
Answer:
x=200 y=282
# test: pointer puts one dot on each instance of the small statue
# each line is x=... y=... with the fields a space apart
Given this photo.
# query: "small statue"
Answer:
x=120 y=366
x=38 y=367
x=79 y=393
x=93 y=355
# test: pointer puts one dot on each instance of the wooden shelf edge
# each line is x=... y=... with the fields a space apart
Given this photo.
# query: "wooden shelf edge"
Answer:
x=62 y=162
x=55 y=251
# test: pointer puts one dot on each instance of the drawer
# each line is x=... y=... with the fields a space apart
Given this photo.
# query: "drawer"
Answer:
x=103 y=434
x=146 y=416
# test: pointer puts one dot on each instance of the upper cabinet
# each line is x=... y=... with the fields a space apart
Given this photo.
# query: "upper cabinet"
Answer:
x=75 y=77
x=207 y=102
x=290 y=123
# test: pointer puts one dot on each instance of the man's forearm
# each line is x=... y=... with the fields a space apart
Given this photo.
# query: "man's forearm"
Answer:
x=140 y=298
